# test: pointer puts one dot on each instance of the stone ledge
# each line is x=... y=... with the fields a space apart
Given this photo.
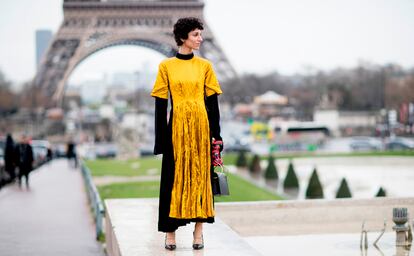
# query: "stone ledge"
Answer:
x=310 y=216
x=131 y=229
x=131 y=224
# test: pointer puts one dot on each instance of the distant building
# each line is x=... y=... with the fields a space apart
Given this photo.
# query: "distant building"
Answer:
x=269 y=104
x=139 y=80
x=118 y=93
x=93 y=91
x=125 y=80
x=107 y=111
x=346 y=123
x=43 y=38
x=243 y=111
x=72 y=98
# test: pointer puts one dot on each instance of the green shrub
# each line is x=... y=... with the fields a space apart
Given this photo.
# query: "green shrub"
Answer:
x=241 y=159
x=343 y=190
x=291 y=180
x=271 y=170
x=255 y=165
x=314 y=189
x=381 y=192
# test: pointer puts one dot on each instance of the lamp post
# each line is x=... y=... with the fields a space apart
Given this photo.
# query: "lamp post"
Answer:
x=400 y=218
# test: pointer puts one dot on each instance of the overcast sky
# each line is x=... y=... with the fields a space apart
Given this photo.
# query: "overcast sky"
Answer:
x=257 y=36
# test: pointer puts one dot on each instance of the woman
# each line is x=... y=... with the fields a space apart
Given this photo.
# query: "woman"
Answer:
x=10 y=157
x=25 y=153
x=185 y=189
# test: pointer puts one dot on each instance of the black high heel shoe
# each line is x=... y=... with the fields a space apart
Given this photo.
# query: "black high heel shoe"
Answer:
x=170 y=247
x=198 y=246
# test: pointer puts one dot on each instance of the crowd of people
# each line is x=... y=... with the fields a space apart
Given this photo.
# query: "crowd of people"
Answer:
x=19 y=159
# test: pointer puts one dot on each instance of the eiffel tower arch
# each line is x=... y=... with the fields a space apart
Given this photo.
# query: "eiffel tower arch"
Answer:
x=92 y=25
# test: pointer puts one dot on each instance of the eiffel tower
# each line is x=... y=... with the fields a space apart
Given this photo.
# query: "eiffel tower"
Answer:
x=93 y=25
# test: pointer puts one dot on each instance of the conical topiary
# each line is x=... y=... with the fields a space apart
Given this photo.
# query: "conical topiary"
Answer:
x=255 y=165
x=381 y=192
x=291 y=180
x=314 y=189
x=343 y=190
x=241 y=159
x=271 y=170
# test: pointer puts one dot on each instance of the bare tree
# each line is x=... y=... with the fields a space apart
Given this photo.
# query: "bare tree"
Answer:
x=7 y=96
x=365 y=87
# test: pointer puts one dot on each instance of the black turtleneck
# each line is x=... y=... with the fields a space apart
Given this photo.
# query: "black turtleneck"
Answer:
x=184 y=56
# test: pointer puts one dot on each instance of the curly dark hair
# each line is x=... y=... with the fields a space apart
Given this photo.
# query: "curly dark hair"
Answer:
x=184 y=26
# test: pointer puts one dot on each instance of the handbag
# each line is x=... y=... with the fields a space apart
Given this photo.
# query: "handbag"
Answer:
x=219 y=183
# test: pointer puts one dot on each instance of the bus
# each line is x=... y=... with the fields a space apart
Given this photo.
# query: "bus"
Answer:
x=300 y=136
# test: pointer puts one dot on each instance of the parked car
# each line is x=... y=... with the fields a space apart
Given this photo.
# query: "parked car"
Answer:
x=2 y=142
x=39 y=156
x=398 y=143
x=236 y=147
x=39 y=148
x=106 y=150
x=59 y=150
x=234 y=144
x=1 y=158
x=2 y=171
x=86 y=151
x=365 y=144
x=146 y=150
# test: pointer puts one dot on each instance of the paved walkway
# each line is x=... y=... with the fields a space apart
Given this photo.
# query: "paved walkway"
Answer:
x=52 y=217
x=131 y=230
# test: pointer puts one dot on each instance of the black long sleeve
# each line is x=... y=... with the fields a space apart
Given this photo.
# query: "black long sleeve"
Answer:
x=213 y=113
x=160 y=125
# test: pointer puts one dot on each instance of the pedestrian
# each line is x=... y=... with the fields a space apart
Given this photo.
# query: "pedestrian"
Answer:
x=49 y=154
x=10 y=157
x=185 y=189
x=71 y=154
x=25 y=163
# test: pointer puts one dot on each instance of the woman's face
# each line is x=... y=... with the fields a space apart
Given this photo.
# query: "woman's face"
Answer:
x=194 y=40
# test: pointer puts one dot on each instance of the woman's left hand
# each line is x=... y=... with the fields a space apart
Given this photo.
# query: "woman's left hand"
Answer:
x=216 y=155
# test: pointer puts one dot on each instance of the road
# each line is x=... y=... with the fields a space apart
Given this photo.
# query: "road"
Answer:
x=51 y=217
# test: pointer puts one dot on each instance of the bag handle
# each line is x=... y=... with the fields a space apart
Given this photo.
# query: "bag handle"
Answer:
x=223 y=169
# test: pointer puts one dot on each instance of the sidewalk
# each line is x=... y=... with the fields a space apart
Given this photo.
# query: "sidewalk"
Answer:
x=131 y=230
x=52 y=217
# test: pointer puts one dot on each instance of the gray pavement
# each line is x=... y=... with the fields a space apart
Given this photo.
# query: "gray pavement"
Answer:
x=52 y=217
x=131 y=230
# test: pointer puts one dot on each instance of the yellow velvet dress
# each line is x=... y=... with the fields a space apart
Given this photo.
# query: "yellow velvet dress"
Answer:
x=188 y=82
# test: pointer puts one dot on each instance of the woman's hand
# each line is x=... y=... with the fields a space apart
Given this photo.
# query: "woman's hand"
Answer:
x=217 y=147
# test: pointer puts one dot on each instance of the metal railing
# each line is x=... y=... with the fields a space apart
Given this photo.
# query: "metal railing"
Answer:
x=94 y=199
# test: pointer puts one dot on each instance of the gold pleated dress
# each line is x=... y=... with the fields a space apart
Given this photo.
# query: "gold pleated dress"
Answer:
x=188 y=82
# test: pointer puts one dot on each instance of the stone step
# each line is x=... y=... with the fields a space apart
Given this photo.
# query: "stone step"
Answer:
x=131 y=229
